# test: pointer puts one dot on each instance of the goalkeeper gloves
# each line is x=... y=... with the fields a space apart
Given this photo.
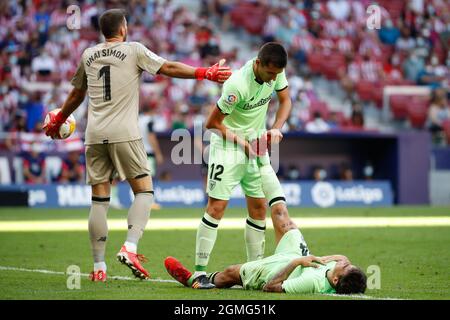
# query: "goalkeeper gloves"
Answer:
x=51 y=128
x=217 y=73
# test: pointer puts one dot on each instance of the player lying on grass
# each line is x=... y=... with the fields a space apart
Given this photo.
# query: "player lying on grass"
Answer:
x=290 y=269
x=110 y=73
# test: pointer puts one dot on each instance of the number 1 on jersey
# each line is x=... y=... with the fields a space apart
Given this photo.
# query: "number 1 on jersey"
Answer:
x=105 y=73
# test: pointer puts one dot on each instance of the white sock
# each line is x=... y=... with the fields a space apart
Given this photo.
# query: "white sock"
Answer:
x=255 y=238
x=130 y=246
x=204 y=244
x=198 y=274
x=99 y=266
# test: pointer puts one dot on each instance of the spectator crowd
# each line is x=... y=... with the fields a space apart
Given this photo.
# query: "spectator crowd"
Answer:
x=327 y=40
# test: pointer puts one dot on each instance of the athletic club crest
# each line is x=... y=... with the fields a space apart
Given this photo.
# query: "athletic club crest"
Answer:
x=212 y=184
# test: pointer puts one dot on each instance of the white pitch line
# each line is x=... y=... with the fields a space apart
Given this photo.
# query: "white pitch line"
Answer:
x=81 y=274
x=358 y=296
x=365 y=297
x=227 y=223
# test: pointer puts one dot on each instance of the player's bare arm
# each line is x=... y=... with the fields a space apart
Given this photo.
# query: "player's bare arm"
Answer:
x=73 y=101
x=283 y=112
x=275 y=285
x=215 y=122
x=218 y=72
x=336 y=257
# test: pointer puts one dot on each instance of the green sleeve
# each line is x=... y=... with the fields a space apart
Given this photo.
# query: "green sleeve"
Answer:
x=281 y=82
x=299 y=284
x=230 y=97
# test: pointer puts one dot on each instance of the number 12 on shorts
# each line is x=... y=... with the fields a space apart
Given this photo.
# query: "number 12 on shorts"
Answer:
x=216 y=172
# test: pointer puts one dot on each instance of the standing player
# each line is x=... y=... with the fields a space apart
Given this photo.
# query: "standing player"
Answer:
x=290 y=269
x=239 y=119
x=110 y=73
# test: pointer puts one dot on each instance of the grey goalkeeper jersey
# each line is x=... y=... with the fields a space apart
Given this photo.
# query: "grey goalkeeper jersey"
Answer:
x=111 y=74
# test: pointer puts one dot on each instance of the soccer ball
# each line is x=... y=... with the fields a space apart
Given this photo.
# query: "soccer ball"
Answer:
x=67 y=128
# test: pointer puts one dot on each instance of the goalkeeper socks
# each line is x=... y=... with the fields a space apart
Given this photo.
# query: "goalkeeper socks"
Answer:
x=98 y=227
x=99 y=266
x=130 y=246
x=206 y=237
x=255 y=235
x=138 y=216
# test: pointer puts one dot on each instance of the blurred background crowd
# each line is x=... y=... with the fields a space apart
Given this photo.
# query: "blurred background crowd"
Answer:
x=337 y=70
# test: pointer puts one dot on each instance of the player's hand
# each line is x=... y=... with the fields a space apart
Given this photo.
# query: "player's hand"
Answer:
x=51 y=129
x=311 y=261
x=274 y=136
x=262 y=145
x=217 y=73
x=250 y=151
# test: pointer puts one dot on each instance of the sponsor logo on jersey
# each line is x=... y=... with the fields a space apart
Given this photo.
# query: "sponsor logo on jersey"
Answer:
x=260 y=103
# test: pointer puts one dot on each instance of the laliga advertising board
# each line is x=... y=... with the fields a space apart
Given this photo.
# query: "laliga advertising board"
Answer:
x=298 y=194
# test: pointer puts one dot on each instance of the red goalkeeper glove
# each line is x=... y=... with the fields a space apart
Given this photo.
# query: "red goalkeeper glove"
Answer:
x=51 y=128
x=216 y=73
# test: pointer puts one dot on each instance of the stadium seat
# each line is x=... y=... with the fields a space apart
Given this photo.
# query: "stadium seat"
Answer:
x=320 y=106
x=399 y=106
x=250 y=16
x=377 y=94
x=315 y=60
x=364 y=89
x=387 y=52
x=394 y=7
x=418 y=112
x=332 y=63
x=340 y=118
x=89 y=34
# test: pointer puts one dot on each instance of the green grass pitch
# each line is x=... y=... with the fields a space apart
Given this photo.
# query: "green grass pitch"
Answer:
x=414 y=261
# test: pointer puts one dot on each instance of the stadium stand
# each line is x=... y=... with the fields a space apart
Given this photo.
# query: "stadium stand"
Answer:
x=336 y=61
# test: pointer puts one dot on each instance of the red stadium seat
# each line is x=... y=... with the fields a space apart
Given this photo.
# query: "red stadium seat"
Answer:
x=377 y=94
x=89 y=34
x=331 y=65
x=446 y=126
x=341 y=120
x=315 y=60
x=399 y=106
x=394 y=7
x=418 y=112
x=320 y=106
x=364 y=89
x=251 y=16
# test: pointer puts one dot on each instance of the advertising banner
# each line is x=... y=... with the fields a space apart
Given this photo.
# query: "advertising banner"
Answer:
x=191 y=194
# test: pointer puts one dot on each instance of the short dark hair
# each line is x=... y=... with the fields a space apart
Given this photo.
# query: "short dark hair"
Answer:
x=273 y=53
x=110 y=22
x=354 y=281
